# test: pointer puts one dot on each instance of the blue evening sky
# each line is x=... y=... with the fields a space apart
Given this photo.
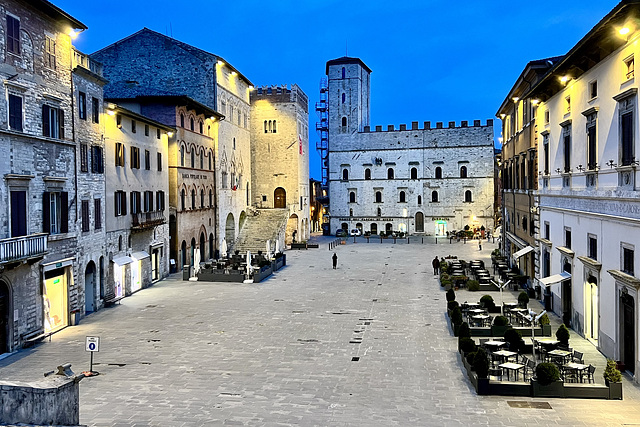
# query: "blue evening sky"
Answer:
x=431 y=60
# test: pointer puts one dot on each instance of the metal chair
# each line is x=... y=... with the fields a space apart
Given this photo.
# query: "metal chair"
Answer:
x=578 y=357
x=589 y=374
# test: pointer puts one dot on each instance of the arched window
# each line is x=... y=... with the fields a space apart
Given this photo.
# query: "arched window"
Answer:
x=438 y=172
x=379 y=211
x=378 y=196
x=265 y=127
x=344 y=122
x=193 y=199
x=344 y=72
x=201 y=199
x=352 y=197
x=210 y=159
x=210 y=198
x=193 y=158
x=414 y=173
x=274 y=126
x=351 y=212
x=201 y=126
x=345 y=174
x=367 y=174
x=181 y=120
x=182 y=156
x=390 y=173
x=234 y=140
x=182 y=201
x=269 y=126
x=345 y=226
x=403 y=197
x=344 y=97
x=201 y=159
x=463 y=172
x=419 y=200
x=434 y=196
x=192 y=124
x=467 y=196
x=119 y=243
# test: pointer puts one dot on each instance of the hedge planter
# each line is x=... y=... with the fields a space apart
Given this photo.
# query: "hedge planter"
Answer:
x=498 y=331
x=546 y=330
x=262 y=274
x=298 y=246
x=615 y=390
x=555 y=389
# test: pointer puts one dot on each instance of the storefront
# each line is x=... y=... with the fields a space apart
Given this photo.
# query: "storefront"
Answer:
x=119 y=274
x=57 y=278
x=137 y=270
x=440 y=227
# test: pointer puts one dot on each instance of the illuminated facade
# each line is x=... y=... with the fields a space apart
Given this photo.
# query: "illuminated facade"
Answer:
x=418 y=180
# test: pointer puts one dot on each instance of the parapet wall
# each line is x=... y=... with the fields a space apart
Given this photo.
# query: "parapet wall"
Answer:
x=427 y=126
x=282 y=93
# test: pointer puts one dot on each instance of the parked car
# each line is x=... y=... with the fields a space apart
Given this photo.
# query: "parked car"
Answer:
x=356 y=232
x=341 y=233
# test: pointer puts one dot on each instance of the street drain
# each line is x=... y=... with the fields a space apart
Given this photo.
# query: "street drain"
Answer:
x=355 y=342
x=298 y=311
x=229 y=395
x=116 y=364
x=533 y=405
x=311 y=340
x=151 y=306
x=366 y=324
x=153 y=340
x=355 y=359
x=375 y=300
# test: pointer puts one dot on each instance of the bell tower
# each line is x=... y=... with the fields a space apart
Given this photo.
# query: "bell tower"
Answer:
x=348 y=97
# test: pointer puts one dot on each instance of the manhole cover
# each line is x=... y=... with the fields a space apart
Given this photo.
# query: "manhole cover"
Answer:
x=533 y=405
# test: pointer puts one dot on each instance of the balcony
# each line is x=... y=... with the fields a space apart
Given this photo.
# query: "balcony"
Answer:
x=15 y=249
x=145 y=220
x=83 y=60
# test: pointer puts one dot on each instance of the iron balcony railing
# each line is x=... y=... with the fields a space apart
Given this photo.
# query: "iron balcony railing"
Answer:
x=147 y=219
x=23 y=247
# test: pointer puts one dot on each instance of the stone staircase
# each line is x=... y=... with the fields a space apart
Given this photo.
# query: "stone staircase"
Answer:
x=267 y=224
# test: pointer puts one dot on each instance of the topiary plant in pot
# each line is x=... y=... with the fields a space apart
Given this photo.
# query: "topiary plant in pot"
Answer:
x=473 y=285
x=514 y=338
x=562 y=334
x=452 y=304
x=456 y=316
x=547 y=373
x=500 y=321
x=464 y=331
x=523 y=299
x=451 y=295
x=487 y=302
x=481 y=363
x=613 y=378
x=467 y=345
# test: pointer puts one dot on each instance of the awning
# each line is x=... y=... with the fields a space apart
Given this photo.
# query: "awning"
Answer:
x=140 y=255
x=547 y=281
x=122 y=260
x=522 y=252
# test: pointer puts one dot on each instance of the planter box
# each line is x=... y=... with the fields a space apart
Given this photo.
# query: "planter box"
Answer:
x=555 y=389
x=312 y=246
x=262 y=274
x=298 y=246
x=498 y=331
x=615 y=390
x=586 y=391
x=546 y=330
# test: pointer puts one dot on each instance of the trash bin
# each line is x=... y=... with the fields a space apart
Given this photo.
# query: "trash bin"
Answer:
x=185 y=272
x=547 y=300
x=172 y=266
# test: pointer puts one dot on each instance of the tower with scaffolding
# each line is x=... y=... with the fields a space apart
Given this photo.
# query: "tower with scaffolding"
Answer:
x=322 y=127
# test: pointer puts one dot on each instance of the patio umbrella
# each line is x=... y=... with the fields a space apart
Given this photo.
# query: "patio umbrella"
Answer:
x=223 y=248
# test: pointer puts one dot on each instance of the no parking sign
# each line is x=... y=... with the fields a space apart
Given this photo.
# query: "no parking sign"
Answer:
x=92 y=344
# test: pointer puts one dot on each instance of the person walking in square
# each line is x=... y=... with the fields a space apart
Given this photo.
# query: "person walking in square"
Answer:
x=335 y=260
x=480 y=244
x=436 y=265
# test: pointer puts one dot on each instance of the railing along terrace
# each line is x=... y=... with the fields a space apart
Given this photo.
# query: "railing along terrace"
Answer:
x=17 y=248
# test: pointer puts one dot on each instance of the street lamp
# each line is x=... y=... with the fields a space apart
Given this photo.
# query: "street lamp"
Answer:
x=533 y=320
x=501 y=286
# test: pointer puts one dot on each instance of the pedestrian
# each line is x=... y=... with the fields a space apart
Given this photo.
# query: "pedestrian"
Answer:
x=295 y=232
x=335 y=260
x=436 y=265
x=480 y=244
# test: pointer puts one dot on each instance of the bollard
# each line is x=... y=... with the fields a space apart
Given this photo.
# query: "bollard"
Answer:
x=407 y=240
x=436 y=240
x=422 y=241
x=367 y=239
x=394 y=240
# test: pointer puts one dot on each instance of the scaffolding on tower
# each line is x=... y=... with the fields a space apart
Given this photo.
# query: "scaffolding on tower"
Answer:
x=322 y=127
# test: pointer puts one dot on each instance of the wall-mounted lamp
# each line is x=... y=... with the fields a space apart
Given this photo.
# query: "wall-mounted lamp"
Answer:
x=580 y=168
x=611 y=164
x=558 y=171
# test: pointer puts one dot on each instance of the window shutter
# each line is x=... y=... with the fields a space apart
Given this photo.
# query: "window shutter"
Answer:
x=61 y=123
x=132 y=195
x=124 y=203
x=116 y=199
x=45 y=120
x=46 y=220
x=64 y=209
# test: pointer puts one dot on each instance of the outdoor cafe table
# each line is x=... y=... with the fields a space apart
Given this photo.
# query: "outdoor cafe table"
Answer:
x=504 y=355
x=510 y=366
x=516 y=311
x=475 y=311
x=559 y=354
x=511 y=305
x=472 y=304
x=480 y=318
x=494 y=344
x=578 y=368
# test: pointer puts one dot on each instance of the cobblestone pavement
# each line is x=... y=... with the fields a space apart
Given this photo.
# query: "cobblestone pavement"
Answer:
x=285 y=351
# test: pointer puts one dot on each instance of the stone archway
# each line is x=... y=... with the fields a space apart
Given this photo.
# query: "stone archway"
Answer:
x=230 y=230
x=279 y=198
x=419 y=222
x=292 y=225
x=5 y=317
x=90 y=288
x=241 y=220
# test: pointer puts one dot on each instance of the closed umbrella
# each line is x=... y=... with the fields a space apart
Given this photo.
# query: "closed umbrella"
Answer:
x=223 y=248
x=196 y=262
x=268 y=249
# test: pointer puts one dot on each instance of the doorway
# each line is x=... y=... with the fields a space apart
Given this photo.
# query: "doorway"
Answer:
x=279 y=198
x=18 y=213
x=5 y=309
x=591 y=303
x=90 y=288
x=566 y=296
x=419 y=222
x=627 y=304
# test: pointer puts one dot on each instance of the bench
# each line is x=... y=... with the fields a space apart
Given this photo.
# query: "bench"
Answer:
x=33 y=338
x=112 y=301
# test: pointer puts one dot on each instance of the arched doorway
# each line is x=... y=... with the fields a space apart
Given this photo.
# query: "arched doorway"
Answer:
x=566 y=295
x=243 y=217
x=292 y=225
x=211 y=250
x=374 y=228
x=419 y=222
x=90 y=288
x=230 y=230
x=628 y=334
x=203 y=248
x=591 y=304
x=183 y=253
x=192 y=252
x=388 y=228
x=279 y=198
x=5 y=321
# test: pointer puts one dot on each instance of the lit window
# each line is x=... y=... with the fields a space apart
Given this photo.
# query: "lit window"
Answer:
x=50 y=52
x=629 y=68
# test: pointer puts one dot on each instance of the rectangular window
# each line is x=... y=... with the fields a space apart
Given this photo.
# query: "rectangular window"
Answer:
x=84 y=158
x=146 y=130
x=120 y=203
x=135 y=202
x=97 y=160
x=629 y=68
x=627 y=138
x=545 y=146
x=159 y=161
x=567 y=148
x=15 y=112
x=85 y=215
x=119 y=154
x=158 y=133
x=52 y=122
x=546 y=230
x=148 y=201
x=97 y=213
x=119 y=121
x=567 y=238
x=82 y=105
x=13 y=35
x=135 y=158
x=593 y=247
x=547 y=117
x=567 y=105
x=95 y=110
x=133 y=126
x=160 y=201
x=593 y=89
x=50 y=52
x=147 y=159
x=591 y=146
x=55 y=212
x=627 y=261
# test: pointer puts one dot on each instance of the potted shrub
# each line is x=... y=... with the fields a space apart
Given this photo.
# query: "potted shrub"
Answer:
x=466 y=345
x=456 y=319
x=562 y=334
x=473 y=285
x=500 y=321
x=446 y=283
x=481 y=367
x=451 y=295
x=547 y=383
x=500 y=326
x=613 y=380
x=451 y=305
x=444 y=267
x=464 y=331
x=523 y=299
x=487 y=302
x=514 y=338
x=545 y=324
